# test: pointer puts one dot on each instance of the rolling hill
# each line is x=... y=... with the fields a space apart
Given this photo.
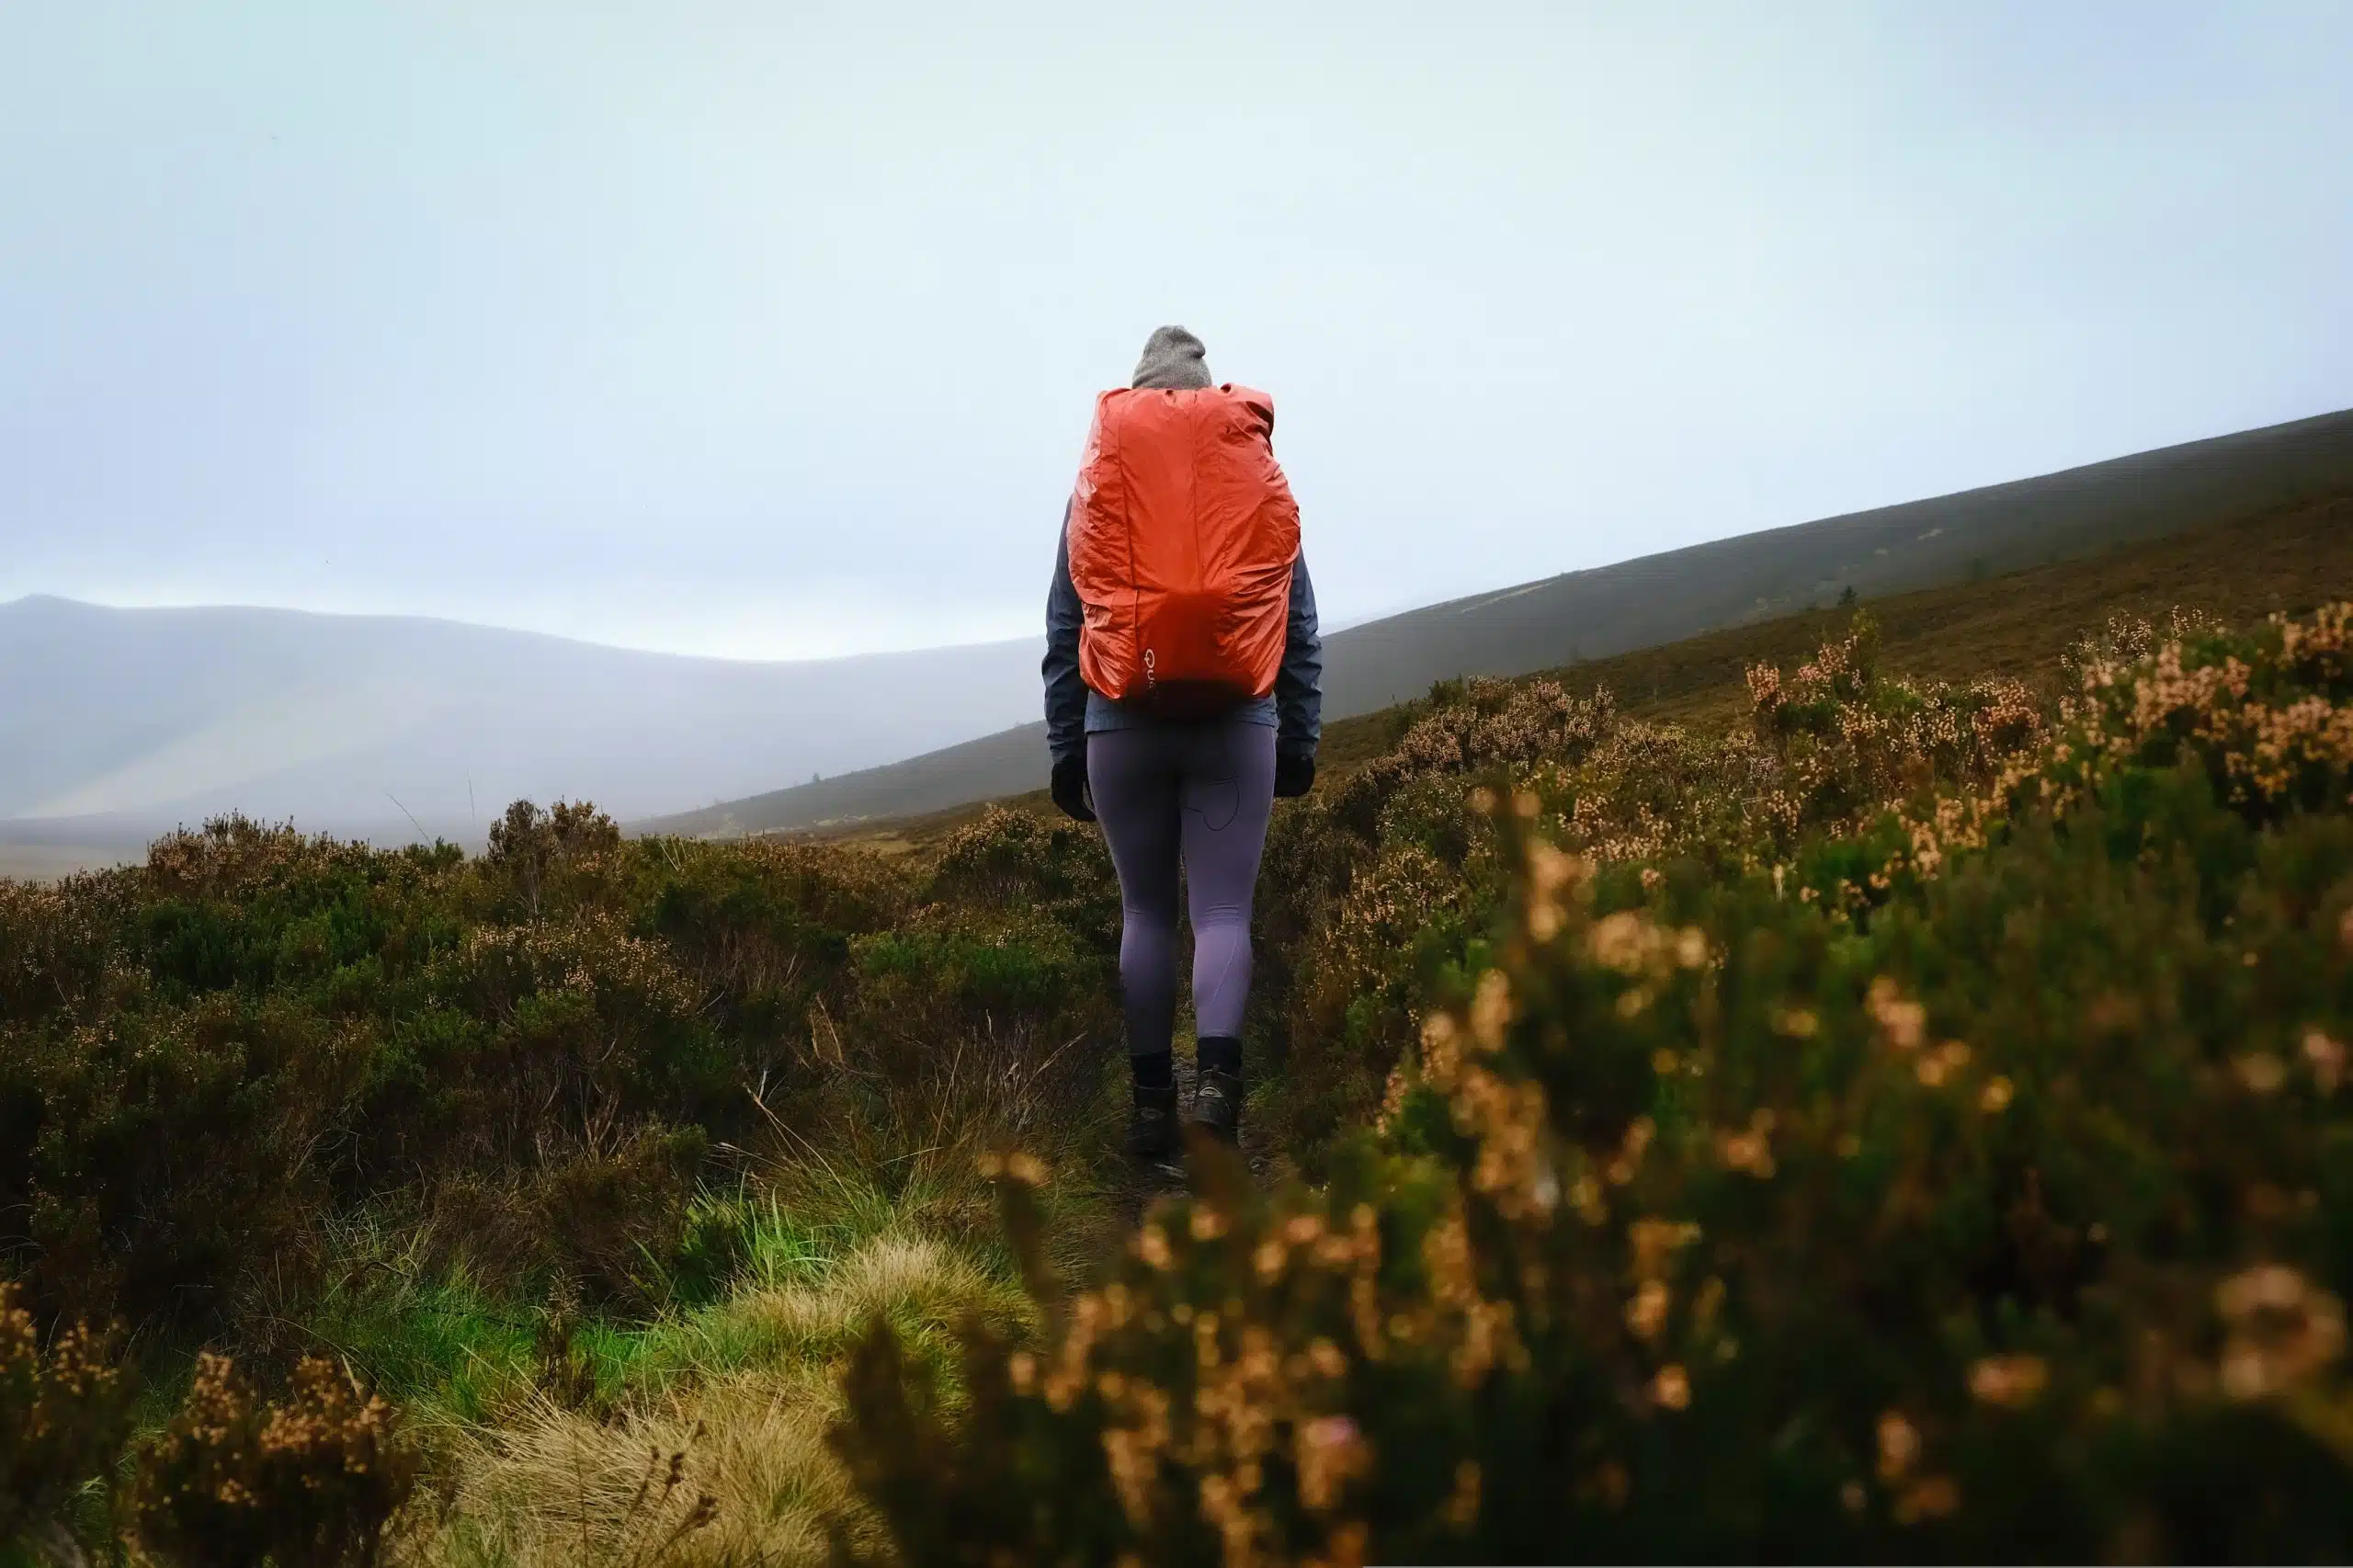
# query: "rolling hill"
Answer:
x=117 y=723
x=1660 y=599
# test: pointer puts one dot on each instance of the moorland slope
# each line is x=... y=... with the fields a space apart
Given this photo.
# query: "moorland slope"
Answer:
x=2123 y=504
x=2126 y=506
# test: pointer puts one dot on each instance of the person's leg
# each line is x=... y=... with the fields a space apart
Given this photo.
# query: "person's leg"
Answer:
x=1228 y=795
x=1133 y=775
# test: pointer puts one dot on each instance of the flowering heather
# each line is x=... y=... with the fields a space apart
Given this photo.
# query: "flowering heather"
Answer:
x=238 y=1480
x=64 y=1414
x=1991 y=1209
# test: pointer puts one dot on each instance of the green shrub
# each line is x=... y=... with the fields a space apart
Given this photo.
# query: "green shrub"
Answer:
x=1011 y=861
x=964 y=1027
x=164 y=1149
x=204 y=1058
x=538 y=855
x=765 y=927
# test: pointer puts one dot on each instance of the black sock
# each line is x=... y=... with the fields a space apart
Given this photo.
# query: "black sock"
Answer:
x=1156 y=1071
x=1220 y=1053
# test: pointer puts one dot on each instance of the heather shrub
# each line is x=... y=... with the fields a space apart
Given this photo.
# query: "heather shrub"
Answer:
x=64 y=1415
x=204 y=1057
x=1310 y=861
x=1473 y=725
x=544 y=1030
x=1812 y=784
x=233 y=1481
x=764 y=930
x=2263 y=717
x=1405 y=917
x=1013 y=861
x=2128 y=639
x=1656 y=792
x=237 y=1480
x=1026 y=972
x=163 y=1149
x=1995 y=1214
x=1846 y=742
x=534 y=856
x=1334 y=954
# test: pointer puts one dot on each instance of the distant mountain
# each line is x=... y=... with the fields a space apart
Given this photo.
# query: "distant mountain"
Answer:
x=1665 y=597
x=115 y=722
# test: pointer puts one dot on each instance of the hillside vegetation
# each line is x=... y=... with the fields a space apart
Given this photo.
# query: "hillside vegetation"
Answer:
x=2291 y=557
x=1878 y=1090
x=2128 y=506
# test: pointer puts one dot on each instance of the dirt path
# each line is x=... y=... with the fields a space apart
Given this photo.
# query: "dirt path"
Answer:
x=1148 y=1183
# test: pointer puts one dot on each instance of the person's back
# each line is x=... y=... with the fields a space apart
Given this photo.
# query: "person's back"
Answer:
x=1183 y=679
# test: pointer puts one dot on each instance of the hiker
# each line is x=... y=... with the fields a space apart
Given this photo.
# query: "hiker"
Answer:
x=1184 y=694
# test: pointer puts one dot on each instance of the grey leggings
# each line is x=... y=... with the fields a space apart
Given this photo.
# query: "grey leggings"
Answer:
x=1202 y=791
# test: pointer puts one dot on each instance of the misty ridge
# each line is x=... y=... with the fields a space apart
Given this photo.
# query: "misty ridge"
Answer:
x=131 y=719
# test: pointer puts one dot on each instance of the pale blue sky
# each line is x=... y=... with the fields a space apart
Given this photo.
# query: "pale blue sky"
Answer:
x=770 y=329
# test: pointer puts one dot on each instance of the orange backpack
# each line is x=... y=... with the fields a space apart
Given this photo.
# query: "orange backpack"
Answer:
x=1182 y=536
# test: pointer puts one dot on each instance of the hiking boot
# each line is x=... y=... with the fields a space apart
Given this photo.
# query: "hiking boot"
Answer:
x=1152 y=1125
x=1217 y=1105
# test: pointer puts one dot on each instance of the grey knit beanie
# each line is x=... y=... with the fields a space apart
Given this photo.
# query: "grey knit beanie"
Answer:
x=1173 y=360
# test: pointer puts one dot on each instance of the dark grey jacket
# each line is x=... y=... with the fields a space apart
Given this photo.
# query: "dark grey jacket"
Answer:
x=1295 y=711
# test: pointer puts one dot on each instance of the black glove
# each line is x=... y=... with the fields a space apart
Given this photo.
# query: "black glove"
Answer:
x=1294 y=773
x=1069 y=787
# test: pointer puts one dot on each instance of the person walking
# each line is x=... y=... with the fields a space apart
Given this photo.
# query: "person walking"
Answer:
x=1183 y=676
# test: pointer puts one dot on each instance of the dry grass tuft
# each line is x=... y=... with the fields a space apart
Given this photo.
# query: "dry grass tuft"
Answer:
x=730 y=1472
x=726 y=1465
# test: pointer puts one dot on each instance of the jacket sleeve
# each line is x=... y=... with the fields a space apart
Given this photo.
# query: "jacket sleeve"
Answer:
x=1066 y=692
x=1298 y=684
